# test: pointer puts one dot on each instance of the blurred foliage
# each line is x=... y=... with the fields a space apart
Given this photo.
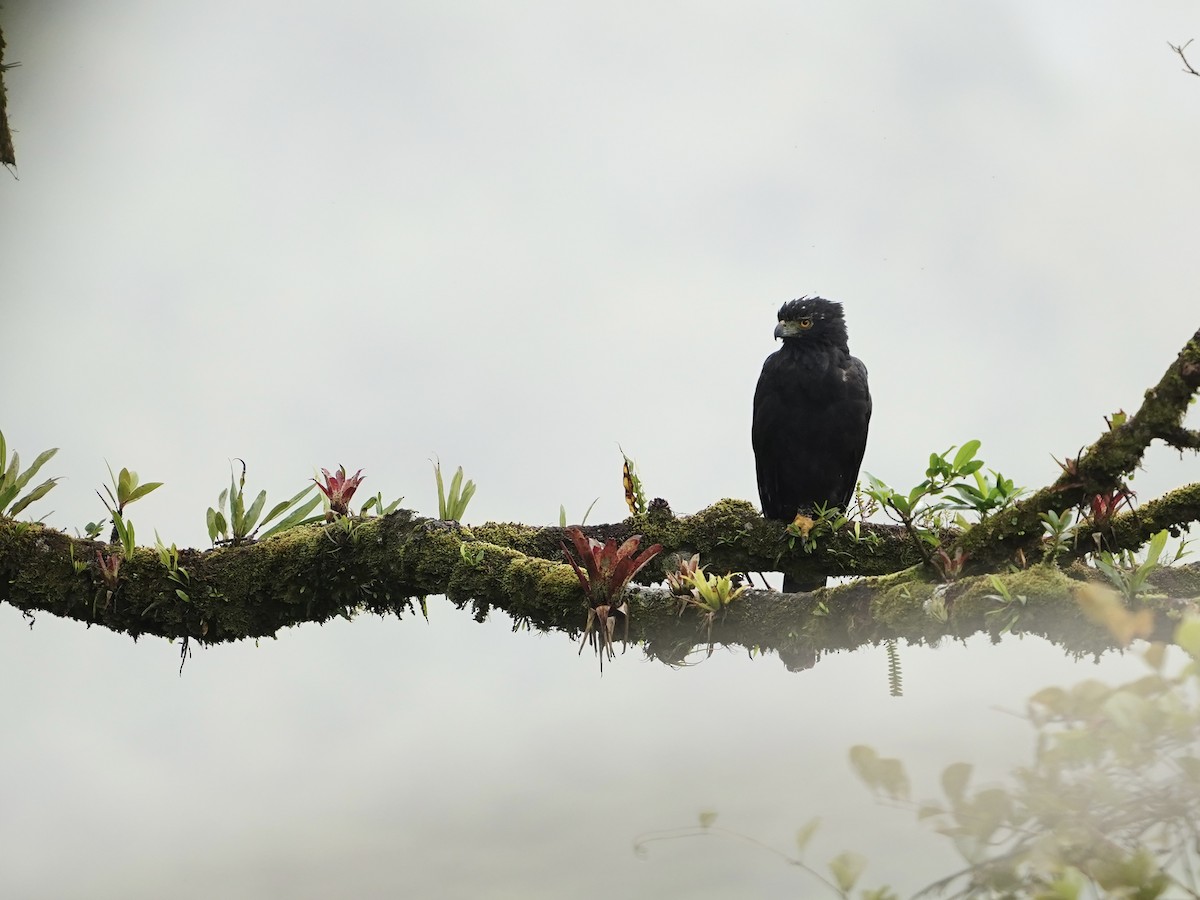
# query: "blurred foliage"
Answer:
x=1108 y=807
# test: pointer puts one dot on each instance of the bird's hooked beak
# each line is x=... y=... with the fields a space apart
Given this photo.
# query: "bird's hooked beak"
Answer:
x=786 y=329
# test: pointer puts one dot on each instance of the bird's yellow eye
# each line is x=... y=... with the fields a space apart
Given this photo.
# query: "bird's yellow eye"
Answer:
x=805 y=323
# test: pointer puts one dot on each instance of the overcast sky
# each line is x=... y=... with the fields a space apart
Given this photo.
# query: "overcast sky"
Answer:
x=514 y=235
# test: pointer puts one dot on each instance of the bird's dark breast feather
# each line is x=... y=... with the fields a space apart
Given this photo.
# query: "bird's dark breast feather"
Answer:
x=811 y=412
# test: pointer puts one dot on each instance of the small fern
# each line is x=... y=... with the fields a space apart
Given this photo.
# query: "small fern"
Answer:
x=895 y=681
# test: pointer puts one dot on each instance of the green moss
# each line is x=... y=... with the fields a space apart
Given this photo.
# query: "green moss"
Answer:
x=1180 y=582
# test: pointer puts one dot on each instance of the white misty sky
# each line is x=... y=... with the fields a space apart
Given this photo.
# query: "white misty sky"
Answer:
x=514 y=235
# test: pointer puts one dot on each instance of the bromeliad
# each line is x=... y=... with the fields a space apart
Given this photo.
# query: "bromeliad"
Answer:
x=339 y=489
x=603 y=571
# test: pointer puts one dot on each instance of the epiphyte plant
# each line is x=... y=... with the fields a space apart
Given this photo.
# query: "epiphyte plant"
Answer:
x=339 y=490
x=1060 y=531
x=126 y=488
x=124 y=533
x=13 y=480
x=381 y=509
x=453 y=506
x=242 y=524
x=635 y=494
x=710 y=595
x=603 y=571
x=169 y=557
x=679 y=580
x=825 y=520
x=926 y=509
x=1125 y=573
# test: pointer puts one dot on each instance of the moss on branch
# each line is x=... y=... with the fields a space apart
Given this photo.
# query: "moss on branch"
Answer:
x=385 y=565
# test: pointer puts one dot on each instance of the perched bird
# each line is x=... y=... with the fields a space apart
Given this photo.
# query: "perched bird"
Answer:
x=811 y=411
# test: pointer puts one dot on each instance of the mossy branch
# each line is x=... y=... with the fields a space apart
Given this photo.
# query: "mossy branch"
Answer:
x=385 y=565
x=1102 y=468
x=7 y=155
x=314 y=573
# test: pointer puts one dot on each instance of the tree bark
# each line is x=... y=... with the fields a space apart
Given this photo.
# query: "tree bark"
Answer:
x=7 y=155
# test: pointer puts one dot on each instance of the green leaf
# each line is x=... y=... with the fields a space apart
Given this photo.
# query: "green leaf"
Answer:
x=805 y=832
x=14 y=467
x=562 y=516
x=1067 y=886
x=256 y=508
x=965 y=454
x=237 y=506
x=28 y=474
x=1157 y=544
x=954 y=780
x=1053 y=699
x=296 y=517
x=865 y=761
x=284 y=504
x=467 y=494
x=142 y=490
x=36 y=494
x=126 y=482
x=1187 y=636
x=893 y=779
x=847 y=868
x=437 y=474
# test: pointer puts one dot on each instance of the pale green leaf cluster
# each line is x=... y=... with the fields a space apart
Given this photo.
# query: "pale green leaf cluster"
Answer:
x=123 y=528
x=169 y=557
x=125 y=489
x=13 y=480
x=714 y=592
x=1124 y=571
x=380 y=508
x=241 y=523
x=1061 y=531
x=452 y=506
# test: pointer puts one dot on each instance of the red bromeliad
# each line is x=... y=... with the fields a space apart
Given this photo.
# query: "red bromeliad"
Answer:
x=110 y=569
x=1104 y=506
x=339 y=489
x=603 y=571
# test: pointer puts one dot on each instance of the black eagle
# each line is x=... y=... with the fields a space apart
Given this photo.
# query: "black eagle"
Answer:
x=811 y=411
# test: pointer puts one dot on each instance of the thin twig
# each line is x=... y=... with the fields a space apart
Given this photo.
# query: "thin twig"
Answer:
x=1180 y=48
